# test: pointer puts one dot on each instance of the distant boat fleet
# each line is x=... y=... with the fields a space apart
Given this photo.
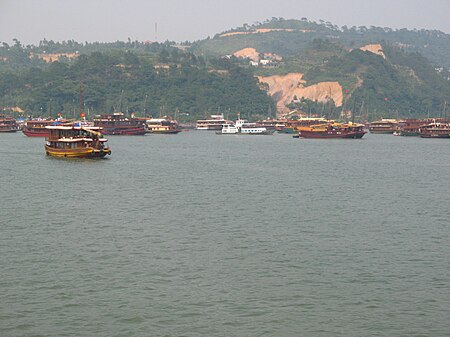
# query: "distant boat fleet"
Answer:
x=83 y=139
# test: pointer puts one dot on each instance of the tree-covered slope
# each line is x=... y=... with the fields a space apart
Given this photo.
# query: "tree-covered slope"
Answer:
x=289 y=37
x=164 y=83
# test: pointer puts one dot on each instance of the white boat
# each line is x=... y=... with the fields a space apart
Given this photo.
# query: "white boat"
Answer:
x=246 y=128
x=228 y=129
x=243 y=128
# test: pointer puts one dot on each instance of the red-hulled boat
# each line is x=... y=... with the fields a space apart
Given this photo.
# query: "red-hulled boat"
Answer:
x=36 y=127
x=118 y=124
x=332 y=130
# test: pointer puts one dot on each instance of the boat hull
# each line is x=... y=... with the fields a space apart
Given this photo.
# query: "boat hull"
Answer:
x=382 y=132
x=165 y=132
x=87 y=152
x=35 y=133
x=435 y=135
x=330 y=135
x=8 y=130
x=124 y=132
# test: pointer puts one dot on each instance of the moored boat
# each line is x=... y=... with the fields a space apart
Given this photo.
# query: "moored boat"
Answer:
x=216 y=122
x=118 y=124
x=242 y=127
x=333 y=130
x=246 y=128
x=162 y=126
x=8 y=124
x=37 y=127
x=409 y=127
x=383 y=126
x=435 y=130
x=76 y=142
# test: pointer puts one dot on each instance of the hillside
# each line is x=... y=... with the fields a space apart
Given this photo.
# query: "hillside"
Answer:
x=289 y=37
x=163 y=82
x=385 y=72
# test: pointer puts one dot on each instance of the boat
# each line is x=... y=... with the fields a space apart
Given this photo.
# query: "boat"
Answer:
x=410 y=127
x=37 y=127
x=332 y=130
x=162 y=126
x=383 y=126
x=246 y=128
x=242 y=127
x=76 y=142
x=228 y=129
x=118 y=124
x=269 y=124
x=216 y=122
x=435 y=130
x=8 y=124
x=292 y=126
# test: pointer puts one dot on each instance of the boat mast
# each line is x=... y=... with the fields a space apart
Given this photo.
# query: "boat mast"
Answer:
x=81 y=98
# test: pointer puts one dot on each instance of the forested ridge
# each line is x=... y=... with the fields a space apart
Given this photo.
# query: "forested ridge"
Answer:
x=194 y=79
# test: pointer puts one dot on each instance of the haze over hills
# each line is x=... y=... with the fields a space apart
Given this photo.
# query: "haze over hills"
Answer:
x=317 y=68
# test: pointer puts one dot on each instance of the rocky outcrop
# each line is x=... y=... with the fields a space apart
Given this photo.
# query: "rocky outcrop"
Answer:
x=284 y=88
x=374 y=48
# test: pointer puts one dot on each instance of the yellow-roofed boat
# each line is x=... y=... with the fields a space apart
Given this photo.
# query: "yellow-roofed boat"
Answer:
x=76 y=142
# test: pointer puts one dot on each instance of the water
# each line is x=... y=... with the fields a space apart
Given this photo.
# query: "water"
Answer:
x=203 y=235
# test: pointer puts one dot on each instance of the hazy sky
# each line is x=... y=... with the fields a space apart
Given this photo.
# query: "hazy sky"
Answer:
x=109 y=20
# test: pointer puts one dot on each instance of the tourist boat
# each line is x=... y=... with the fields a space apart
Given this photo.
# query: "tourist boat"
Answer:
x=76 y=142
x=37 y=127
x=384 y=126
x=118 y=124
x=216 y=122
x=242 y=127
x=332 y=130
x=435 y=130
x=162 y=126
x=269 y=124
x=292 y=126
x=8 y=124
x=409 y=127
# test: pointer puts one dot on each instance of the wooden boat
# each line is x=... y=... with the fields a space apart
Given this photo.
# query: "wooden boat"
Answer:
x=383 y=126
x=435 y=130
x=37 y=127
x=8 y=124
x=118 y=124
x=162 y=126
x=410 y=127
x=292 y=126
x=333 y=130
x=76 y=142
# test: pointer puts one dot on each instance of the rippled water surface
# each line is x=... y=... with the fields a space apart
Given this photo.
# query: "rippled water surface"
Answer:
x=203 y=235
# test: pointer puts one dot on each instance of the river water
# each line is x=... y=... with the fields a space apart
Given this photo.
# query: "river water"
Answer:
x=203 y=235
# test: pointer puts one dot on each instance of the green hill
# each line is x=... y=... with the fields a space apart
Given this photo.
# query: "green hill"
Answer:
x=292 y=36
x=163 y=82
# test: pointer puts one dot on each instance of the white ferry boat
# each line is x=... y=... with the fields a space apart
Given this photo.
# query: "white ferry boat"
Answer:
x=243 y=128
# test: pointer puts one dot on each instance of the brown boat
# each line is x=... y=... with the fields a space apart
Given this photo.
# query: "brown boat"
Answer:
x=333 y=130
x=385 y=126
x=435 y=130
x=8 y=124
x=118 y=124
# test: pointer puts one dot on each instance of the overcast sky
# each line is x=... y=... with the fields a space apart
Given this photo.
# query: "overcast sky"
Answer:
x=178 y=20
